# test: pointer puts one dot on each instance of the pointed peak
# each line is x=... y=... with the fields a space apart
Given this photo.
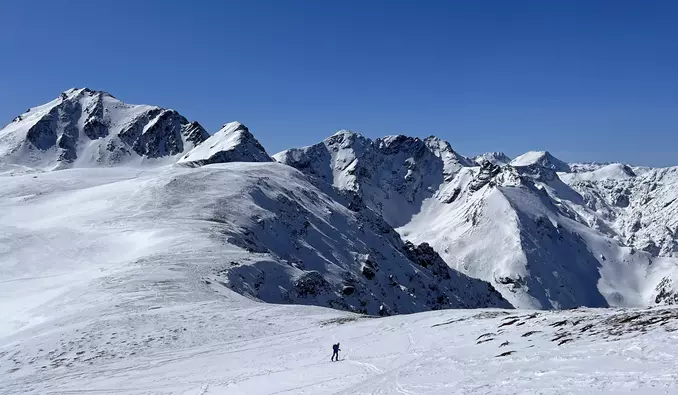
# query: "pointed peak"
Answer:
x=346 y=138
x=231 y=127
x=437 y=142
x=234 y=129
x=542 y=159
x=232 y=143
x=345 y=134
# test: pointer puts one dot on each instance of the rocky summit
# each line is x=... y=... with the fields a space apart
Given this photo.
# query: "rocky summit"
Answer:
x=86 y=128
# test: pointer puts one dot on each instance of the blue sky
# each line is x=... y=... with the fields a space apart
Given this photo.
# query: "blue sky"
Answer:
x=586 y=80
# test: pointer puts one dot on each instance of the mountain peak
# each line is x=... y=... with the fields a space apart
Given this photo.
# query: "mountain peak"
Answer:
x=437 y=142
x=233 y=127
x=540 y=159
x=87 y=128
x=345 y=132
x=495 y=158
x=345 y=135
x=232 y=143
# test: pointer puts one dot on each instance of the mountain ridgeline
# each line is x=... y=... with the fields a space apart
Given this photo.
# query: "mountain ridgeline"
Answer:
x=393 y=225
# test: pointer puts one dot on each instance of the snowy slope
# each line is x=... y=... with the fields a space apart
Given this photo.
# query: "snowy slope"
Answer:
x=508 y=233
x=207 y=348
x=532 y=236
x=232 y=143
x=259 y=228
x=85 y=128
x=110 y=264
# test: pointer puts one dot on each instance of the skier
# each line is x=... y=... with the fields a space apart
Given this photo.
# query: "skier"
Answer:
x=336 y=349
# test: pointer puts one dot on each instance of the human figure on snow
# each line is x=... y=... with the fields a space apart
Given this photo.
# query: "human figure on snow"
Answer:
x=335 y=349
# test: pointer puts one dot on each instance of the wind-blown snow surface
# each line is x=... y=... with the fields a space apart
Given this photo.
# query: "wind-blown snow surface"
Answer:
x=259 y=228
x=236 y=347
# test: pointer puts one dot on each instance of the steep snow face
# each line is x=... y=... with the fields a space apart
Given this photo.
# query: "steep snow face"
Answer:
x=392 y=175
x=85 y=128
x=232 y=143
x=541 y=159
x=506 y=231
x=495 y=158
x=628 y=277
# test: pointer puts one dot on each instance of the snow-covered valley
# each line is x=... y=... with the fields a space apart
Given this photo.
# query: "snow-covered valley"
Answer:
x=140 y=255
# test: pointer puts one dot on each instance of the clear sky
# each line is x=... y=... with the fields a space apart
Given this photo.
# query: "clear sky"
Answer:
x=586 y=80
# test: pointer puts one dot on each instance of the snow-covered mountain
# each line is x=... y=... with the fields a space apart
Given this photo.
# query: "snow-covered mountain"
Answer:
x=540 y=159
x=519 y=227
x=86 y=128
x=640 y=209
x=391 y=175
x=496 y=158
x=232 y=143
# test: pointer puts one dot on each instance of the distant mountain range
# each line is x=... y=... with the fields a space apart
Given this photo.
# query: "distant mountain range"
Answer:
x=393 y=225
